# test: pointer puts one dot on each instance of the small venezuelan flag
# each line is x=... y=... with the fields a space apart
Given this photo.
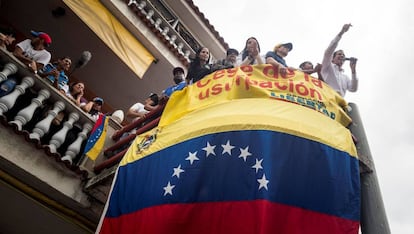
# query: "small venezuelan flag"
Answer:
x=96 y=140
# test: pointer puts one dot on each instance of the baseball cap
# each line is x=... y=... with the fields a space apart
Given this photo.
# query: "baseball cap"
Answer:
x=178 y=69
x=46 y=38
x=287 y=45
x=98 y=100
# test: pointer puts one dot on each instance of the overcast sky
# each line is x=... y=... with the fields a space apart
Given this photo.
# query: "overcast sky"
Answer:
x=382 y=38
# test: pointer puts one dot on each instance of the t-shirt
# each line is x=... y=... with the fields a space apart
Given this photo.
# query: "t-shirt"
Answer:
x=168 y=91
x=39 y=56
x=63 y=79
x=138 y=107
x=276 y=57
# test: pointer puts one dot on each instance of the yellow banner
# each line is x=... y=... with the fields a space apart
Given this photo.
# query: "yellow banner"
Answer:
x=260 y=81
x=113 y=34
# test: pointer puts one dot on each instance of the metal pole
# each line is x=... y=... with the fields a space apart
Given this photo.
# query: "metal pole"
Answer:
x=373 y=216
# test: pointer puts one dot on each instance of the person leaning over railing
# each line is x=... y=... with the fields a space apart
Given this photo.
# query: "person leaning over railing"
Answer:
x=32 y=52
x=228 y=62
x=277 y=57
x=6 y=38
x=139 y=110
x=75 y=94
x=200 y=66
x=307 y=67
x=250 y=55
x=178 y=73
x=56 y=73
x=93 y=108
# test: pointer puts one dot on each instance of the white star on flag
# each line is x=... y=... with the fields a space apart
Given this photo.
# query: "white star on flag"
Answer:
x=244 y=153
x=168 y=189
x=177 y=171
x=258 y=165
x=192 y=157
x=263 y=182
x=227 y=148
x=209 y=149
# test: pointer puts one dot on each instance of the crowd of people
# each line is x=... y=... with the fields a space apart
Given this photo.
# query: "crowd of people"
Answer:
x=33 y=52
x=330 y=70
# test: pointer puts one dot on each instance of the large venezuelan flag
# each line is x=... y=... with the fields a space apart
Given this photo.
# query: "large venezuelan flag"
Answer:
x=250 y=165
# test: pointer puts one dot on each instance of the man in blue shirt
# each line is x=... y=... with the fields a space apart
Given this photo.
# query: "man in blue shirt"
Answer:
x=179 y=81
x=276 y=57
x=56 y=73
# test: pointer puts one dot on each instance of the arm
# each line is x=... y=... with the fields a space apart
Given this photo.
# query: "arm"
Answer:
x=270 y=60
x=18 y=53
x=77 y=99
x=137 y=110
x=353 y=85
x=87 y=107
x=45 y=73
x=149 y=107
x=134 y=114
x=327 y=69
x=3 y=39
x=334 y=43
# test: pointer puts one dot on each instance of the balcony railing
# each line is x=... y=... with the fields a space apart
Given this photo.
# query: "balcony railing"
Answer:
x=165 y=25
x=31 y=110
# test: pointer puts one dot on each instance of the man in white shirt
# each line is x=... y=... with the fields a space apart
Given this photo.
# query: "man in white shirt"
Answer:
x=32 y=52
x=332 y=71
x=138 y=110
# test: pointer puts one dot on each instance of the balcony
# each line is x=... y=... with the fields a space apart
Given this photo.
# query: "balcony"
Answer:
x=39 y=153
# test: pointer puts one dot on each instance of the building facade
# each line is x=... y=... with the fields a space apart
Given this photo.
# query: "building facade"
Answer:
x=47 y=184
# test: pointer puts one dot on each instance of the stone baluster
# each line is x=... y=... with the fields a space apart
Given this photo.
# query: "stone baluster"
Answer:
x=26 y=114
x=132 y=2
x=43 y=126
x=9 y=69
x=8 y=101
x=59 y=137
x=75 y=147
x=141 y=6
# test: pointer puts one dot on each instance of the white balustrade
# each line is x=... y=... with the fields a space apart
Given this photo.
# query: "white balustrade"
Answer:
x=75 y=147
x=9 y=69
x=26 y=114
x=150 y=14
x=43 y=126
x=59 y=137
x=132 y=2
x=141 y=5
x=8 y=101
x=157 y=24
x=172 y=40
